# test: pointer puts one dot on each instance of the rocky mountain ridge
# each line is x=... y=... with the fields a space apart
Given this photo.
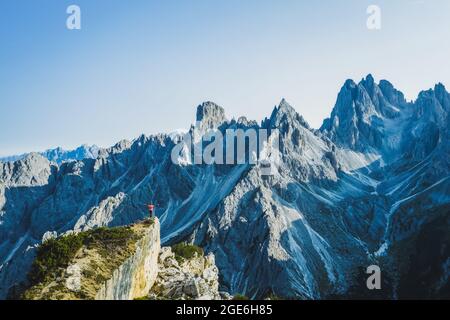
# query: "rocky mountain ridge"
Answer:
x=60 y=155
x=365 y=188
x=123 y=263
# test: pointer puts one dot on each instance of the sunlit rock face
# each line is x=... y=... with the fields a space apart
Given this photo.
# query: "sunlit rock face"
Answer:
x=210 y=115
x=136 y=276
x=105 y=269
x=371 y=186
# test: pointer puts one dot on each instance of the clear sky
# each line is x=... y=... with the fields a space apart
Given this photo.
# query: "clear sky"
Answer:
x=143 y=66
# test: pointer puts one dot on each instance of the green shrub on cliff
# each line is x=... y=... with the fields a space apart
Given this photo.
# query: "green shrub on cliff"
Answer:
x=186 y=251
x=56 y=254
x=108 y=235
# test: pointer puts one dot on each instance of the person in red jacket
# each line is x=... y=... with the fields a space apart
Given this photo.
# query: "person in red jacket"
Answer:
x=151 y=207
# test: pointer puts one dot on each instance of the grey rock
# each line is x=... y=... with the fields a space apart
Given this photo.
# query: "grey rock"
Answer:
x=375 y=176
x=210 y=115
x=196 y=278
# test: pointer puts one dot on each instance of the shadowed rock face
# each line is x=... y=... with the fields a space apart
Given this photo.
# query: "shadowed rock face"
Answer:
x=374 y=178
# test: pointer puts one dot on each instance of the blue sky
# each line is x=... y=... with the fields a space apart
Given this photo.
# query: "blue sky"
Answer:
x=143 y=66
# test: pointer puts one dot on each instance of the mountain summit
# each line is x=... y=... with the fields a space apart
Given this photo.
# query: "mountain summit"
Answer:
x=210 y=115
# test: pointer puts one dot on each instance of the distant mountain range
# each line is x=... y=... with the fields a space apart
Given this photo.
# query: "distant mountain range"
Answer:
x=371 y=186
x=60 y=155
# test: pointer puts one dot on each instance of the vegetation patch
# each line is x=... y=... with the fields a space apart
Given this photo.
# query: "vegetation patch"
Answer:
x=184 y=251
x=53 y=257
x=54 y=254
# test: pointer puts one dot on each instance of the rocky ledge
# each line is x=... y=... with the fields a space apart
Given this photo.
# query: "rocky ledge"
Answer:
x=121 y=263
x=102 y=264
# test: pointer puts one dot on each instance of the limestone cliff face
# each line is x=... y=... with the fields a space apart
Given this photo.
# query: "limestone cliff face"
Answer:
x=123 y=263
x=113 y=264
x=135 y=277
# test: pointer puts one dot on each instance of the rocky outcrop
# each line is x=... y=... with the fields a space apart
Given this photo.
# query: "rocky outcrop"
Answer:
x=111 y=268
x=135 y=277
x=195 y=278
x=128 y=263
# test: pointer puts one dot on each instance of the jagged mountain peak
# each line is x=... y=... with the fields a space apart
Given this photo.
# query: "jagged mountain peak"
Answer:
x=284 y=105
x=376 y=118
x=284 y=114
x=349 y=84
x=394 y=96
x=210 y=115
x=376 y=91
x=368 y=83
x=439 y=92
x=121 y=145
x=59 y=155
x=439 y=88
x=33 y=156
x=32 y=170
x=432 y=106
x=283 y=108
x=358 y=118
x=32 y=159
x=442 y=95
x=301 y=232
